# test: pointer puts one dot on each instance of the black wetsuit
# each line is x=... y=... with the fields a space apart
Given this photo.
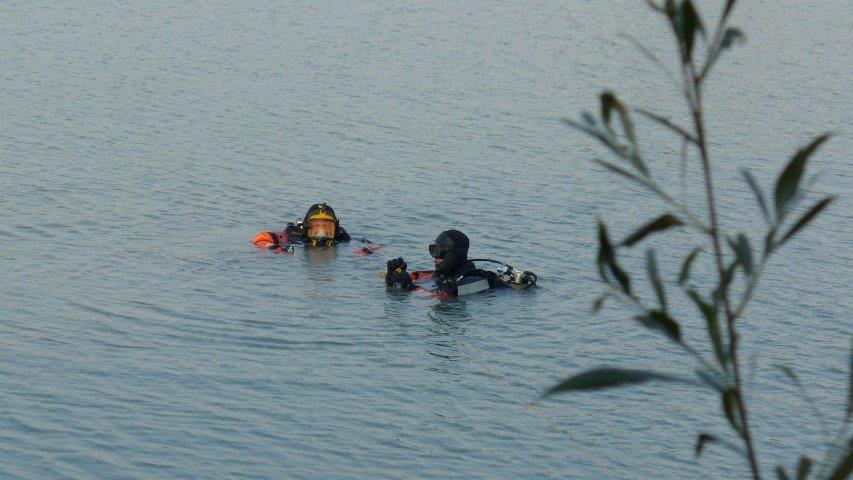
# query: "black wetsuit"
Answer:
x=467 y=279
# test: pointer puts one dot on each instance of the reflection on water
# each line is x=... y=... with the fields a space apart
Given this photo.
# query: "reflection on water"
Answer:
x=318 y=262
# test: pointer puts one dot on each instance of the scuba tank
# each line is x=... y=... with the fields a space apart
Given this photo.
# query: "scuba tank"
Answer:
x=515 y=278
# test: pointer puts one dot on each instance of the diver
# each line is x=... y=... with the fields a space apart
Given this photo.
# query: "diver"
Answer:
x=319 y=227
x=454 y=274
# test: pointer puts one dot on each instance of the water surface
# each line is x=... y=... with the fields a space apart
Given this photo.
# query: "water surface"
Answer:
x=142 y=146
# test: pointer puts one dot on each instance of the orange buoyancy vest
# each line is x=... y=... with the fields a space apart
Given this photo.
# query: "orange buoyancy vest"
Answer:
x=275 y=241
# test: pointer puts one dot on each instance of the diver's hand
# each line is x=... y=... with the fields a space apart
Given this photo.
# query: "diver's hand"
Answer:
x=395 y=264
x=397 y=276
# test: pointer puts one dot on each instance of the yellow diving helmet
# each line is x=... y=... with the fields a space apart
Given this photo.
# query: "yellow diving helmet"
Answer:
x=320 y=225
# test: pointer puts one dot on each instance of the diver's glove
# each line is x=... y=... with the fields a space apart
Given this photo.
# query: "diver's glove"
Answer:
x=397 y=276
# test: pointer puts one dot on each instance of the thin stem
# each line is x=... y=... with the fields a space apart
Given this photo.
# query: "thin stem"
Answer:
x=694 y=97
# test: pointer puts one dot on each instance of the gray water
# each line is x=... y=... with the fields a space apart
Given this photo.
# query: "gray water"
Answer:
x=142 y=146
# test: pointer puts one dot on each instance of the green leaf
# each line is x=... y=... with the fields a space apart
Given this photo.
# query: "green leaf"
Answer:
x=598 y=304
x=657 y=320
x=710 y=313
x=805 y=219
x=730 y=37
x=607 y=377
x=609 y=103
x=845 y=466
x=789 y=180
x=668 y=124
x=705 y=439
x=619 y=170
x=701 y=441
x=654 y=277
x=688 y=24
x=729 y=5
x=744 y=253
x=759 y=196
x=590 y=130
x=730 y=407
x=803 y=468
x=685 y=267
x=607 y=256
x=781 y=474
x=789 y=372
x=661 y=223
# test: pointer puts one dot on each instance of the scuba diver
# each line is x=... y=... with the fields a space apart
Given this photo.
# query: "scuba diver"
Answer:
x=454 y=274
x=319 y=227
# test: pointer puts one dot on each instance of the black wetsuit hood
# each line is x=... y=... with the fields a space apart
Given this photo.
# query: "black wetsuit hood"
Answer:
x=454 y=247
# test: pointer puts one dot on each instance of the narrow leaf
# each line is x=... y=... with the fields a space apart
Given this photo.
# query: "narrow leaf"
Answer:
x=730 y=37
x=706 y=439
x=781 y=474
x=590 y=130
x=588 y=118
x=789 y=180
x=661 y=223
x=845 y=466
x=608 y=102
x=688 y=23
x=729 y=400
x=657 y=320
x=789 y=372
x=729 y=5
x=803 y=468
x=685 y=267
x=606 y=377
x=805 y=219
x=607 y=256
x=744 y=253
x=710 y=313
x=654 y=277
x=759 y=196
x=668 y=124
x=598 y=304
x=619 y=170
x=701 y=441
x=648 y=54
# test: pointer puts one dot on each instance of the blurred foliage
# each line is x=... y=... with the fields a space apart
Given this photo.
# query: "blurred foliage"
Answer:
x=733 y=255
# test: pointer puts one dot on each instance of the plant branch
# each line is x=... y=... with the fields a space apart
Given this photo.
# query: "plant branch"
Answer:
x=693 y=90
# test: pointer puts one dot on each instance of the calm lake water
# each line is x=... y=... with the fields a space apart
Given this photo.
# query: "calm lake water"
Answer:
x=142 y=146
